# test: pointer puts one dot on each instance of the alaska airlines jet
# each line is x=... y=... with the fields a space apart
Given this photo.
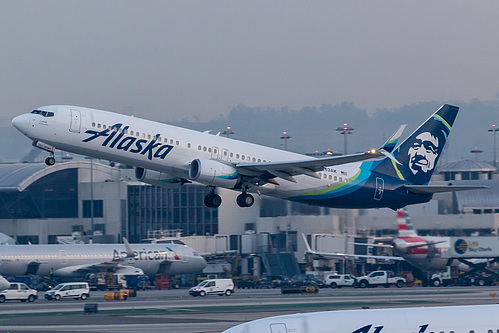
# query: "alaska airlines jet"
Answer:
x=171 y=156
x=449 y=319
x=78 y=260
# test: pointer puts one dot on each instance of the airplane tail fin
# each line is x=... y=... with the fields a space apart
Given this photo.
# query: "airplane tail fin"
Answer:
x=406 y=229
x=415 y=158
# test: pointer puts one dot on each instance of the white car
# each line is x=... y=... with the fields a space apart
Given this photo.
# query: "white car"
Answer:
x=214 y=286
x=76 y=290
x=18 y=291
x=340 y=280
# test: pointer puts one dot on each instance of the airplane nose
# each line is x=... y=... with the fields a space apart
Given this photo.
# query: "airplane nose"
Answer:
x=21 y=123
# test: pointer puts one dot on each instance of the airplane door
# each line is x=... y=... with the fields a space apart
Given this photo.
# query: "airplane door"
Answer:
x=75 y=121
x=380 y=187
x=225 y=154
x=63 y=256
x=278 y=328
x=215 y=153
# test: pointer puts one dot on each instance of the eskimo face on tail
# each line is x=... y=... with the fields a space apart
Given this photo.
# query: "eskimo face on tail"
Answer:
x=419 y=153
x=424 y=153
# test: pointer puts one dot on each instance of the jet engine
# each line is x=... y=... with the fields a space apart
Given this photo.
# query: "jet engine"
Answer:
x=158 y=178
x=213 y=172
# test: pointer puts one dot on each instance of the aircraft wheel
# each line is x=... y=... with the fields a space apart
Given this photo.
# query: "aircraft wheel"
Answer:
x=212 y=200
x=245 y=200
x=50 y=161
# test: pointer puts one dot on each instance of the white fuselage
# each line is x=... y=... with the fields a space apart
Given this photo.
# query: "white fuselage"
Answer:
x=456 y=319
x=69 y=260
x=175 y=148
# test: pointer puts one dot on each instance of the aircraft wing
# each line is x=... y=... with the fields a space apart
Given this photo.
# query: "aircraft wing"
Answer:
x=309 y=167
x=288 y=169
x=309 y=251
x=428 y=189
x=98 y=268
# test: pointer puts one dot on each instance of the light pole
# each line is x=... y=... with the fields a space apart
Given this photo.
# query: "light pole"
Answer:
x=494 y=129
x=345 y=130
x=285 y=136
x=228 y=131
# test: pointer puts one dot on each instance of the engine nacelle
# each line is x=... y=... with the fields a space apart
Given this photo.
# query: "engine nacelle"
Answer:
x=211 y=172
x=158 y=178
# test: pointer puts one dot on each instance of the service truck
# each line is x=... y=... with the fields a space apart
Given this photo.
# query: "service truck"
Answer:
x=380 y=278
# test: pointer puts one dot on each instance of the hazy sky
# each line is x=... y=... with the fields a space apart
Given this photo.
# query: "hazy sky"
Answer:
x=167 y=60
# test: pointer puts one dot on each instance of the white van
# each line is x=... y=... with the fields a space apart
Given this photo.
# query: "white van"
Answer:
x=76 y=290
x=18 y=291
x=216 y=286
x=340 y=280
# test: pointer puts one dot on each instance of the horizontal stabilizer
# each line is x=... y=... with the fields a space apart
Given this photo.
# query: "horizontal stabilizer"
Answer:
x=428 y=189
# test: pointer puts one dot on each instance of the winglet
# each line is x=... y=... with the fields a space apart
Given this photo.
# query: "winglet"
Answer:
x=129 y=251
x=390 y=144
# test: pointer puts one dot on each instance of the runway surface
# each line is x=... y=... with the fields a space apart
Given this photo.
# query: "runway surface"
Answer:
x=176 y=311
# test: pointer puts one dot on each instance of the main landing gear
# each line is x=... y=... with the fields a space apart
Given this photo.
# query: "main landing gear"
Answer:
x=245 y=200
x=212 y=200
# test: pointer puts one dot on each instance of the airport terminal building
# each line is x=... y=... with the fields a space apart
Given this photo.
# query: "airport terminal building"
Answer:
x=104 y=203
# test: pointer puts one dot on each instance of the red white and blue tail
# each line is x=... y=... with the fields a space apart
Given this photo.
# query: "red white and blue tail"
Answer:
x=406 y=229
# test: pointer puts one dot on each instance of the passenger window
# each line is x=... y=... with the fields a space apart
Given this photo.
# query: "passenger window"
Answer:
x=204 y=148
x=330 y=177
x=248 y=158
x=254 y=160
x=177 y=143
x=335 y=178
x=93 y=124
x=225 y=153
x=237 y=156
x=259 y=160
x=231 y=154
x=242 y=157
x=166 y=140
x=50 y=114
x=199 y=148
x=131 y=132
x=149 y=136
x=104 y=126
x=144 y=135
x=341 y=179
x=188 y=145
x=325 y=176
x=209 y=150
x=98 y=125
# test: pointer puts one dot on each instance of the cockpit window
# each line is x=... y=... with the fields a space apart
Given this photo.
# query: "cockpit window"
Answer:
x=43 y=113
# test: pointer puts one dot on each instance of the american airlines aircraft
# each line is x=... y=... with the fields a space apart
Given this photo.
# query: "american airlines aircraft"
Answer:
x=4 y=284
x=78 y=260
x=171 y=156
x=449 y=319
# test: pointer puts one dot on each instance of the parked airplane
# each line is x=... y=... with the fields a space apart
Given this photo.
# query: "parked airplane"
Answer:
x=448 y=319
x=4 y=284
x=77 y=260
x=429 y=253
x=171 y=156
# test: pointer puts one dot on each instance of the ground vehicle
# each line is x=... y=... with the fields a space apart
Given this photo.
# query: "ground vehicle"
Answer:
x=18 y=291
x=340 y=280
x=280 y=281
x=380 y=278
x=307 y=280
x=213 y=286
x=76 y=290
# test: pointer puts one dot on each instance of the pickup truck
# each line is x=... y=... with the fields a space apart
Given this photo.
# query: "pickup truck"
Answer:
x=18 y=291
x=380 y=278
x=340 y=280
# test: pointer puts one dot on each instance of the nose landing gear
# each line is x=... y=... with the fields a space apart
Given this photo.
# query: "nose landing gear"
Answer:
x=50 y=160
